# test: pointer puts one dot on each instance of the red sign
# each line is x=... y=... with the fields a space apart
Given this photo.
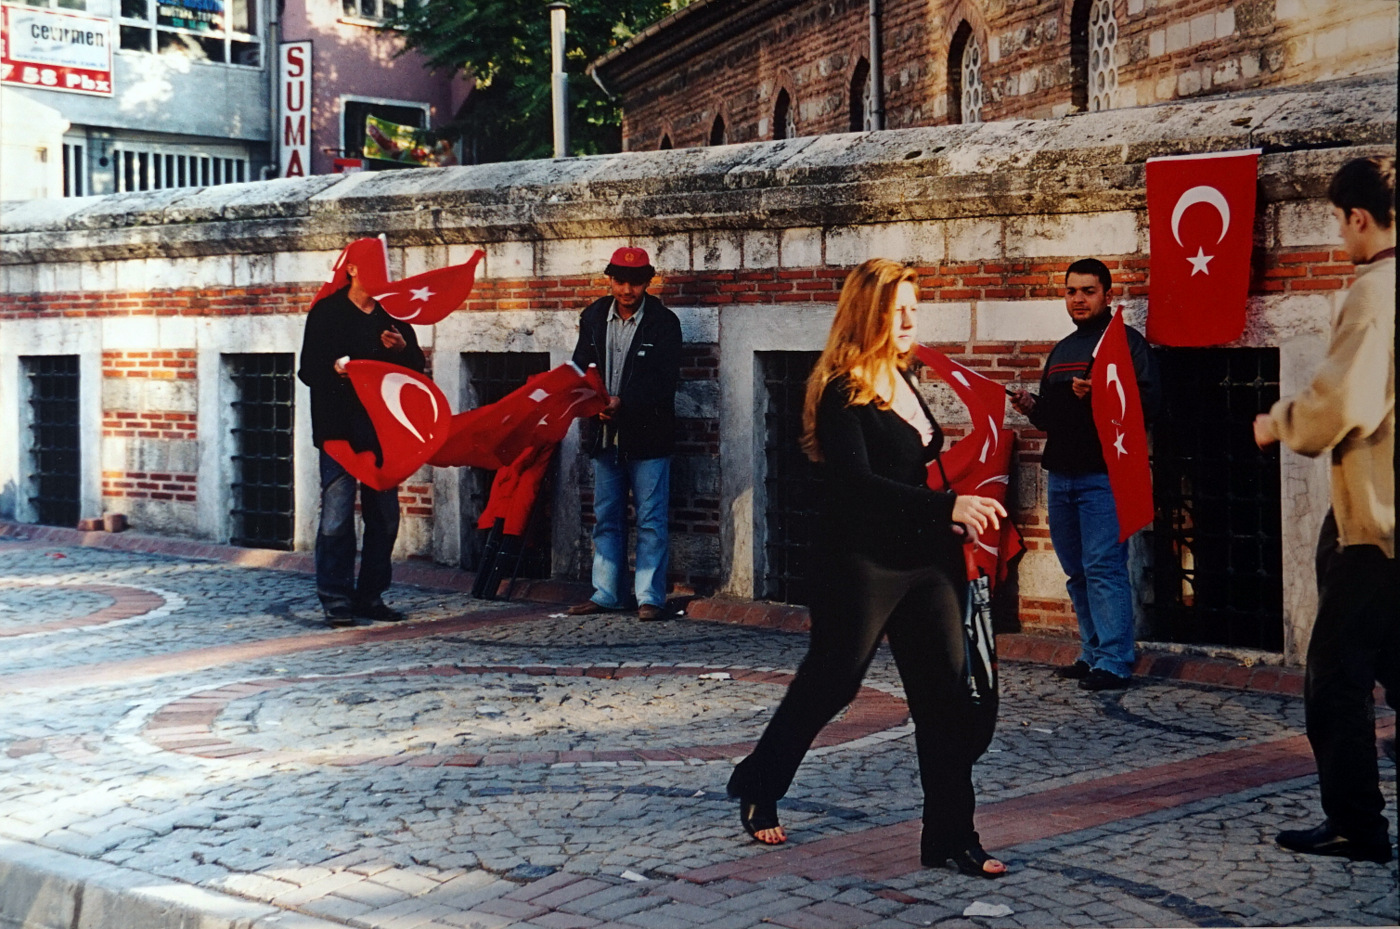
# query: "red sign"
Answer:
x=1122 y=430
x=294 y=109
x=1200 y=210
x=50 y=50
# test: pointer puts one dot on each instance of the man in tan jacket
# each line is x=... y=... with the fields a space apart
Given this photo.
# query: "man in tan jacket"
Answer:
x=1349 y=410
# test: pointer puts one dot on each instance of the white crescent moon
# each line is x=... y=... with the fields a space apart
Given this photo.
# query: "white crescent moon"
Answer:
x=391 y=390
x=1201 y=194
x=1114 y=381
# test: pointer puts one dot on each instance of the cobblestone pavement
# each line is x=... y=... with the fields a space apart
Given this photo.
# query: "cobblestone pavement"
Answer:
x=191 y=723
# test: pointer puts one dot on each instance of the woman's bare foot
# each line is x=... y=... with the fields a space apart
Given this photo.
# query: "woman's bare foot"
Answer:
x=760 y=820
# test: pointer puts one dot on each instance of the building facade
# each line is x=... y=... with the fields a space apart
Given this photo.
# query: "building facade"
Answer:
x=726 y=71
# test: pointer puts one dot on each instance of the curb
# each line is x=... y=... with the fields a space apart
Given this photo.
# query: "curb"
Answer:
x=41 y=888
x=1011 y=646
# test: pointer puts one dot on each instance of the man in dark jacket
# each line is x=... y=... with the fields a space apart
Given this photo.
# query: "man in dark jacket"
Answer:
x=1083 y=519
x=636 y=343
x=349 y=324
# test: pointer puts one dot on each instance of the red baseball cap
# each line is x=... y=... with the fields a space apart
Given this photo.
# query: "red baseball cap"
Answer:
x=630 y=264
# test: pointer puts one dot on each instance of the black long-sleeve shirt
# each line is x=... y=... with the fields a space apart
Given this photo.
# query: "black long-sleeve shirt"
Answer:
x=337 y=328
x=876 y=500
x=1071 y=439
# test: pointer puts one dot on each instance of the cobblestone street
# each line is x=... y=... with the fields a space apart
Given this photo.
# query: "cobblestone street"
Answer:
x=184 y=736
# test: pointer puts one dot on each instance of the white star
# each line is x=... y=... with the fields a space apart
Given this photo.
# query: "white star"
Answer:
x=421 y=293
x=1198 y=263
x=1118 y=444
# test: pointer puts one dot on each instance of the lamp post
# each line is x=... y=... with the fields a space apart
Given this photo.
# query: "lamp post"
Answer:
x=559 y=80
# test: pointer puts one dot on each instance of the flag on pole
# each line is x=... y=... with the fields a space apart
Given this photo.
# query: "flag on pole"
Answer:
x=1121 y=427
x=422 y=299
x=410 y=417
x=1200 y=211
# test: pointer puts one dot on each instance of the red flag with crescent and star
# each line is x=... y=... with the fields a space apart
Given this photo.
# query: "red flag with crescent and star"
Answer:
x=1121 y=427
x=422 y=299
x=410 y=416
x=1200 y=211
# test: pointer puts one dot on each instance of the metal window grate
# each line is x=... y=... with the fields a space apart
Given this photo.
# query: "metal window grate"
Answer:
x=790 y=481
x=1217 y=539
x=54 y=449
x=492 y=375
x=263 y=502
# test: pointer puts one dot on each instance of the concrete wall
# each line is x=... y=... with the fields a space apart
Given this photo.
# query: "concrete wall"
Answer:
x=752 y=242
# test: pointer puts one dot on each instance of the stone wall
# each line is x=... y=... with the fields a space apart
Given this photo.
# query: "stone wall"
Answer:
x=673 y=84
x=152 y=290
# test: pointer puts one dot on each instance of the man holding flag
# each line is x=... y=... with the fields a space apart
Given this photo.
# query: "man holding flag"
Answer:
x=1084 y=513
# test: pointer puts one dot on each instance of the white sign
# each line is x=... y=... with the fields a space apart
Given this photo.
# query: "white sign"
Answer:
x=55 y=51
x=294 y=109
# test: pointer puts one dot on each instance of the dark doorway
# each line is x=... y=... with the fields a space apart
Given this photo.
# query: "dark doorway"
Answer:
x=54 y=452
x=490 y=376
x=264 y=510
x=1217 y=538
x=790 y=480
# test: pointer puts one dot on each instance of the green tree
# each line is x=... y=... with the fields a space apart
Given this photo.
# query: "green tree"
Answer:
x=504 y=44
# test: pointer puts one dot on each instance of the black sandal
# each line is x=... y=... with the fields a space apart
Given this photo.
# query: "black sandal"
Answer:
x=758 y=815
x=969 y=861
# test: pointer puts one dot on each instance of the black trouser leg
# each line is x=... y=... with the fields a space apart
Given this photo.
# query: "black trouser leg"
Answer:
x=950 y=731
x=852 y=601
x=1355 y=642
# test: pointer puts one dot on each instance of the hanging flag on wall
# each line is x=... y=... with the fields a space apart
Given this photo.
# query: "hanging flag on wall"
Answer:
x=1121 y=427
x=1200 y=210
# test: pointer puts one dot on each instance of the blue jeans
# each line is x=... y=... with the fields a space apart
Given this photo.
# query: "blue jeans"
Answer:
x=1084 y=531
x=649 y=481
x=335 y=538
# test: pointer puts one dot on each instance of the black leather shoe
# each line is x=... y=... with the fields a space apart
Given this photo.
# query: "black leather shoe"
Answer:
x=1073 y=672
x=339 y=616
x=1324 y=840
x=379 y=611
x=1099 y=679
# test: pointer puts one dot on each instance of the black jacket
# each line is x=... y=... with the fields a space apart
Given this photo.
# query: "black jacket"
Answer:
x=1071 y=439
x=646 y=421
x=875 y=496
x=335 y=328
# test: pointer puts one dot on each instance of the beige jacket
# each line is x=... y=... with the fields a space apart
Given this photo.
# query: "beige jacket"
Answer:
x=1350 y=408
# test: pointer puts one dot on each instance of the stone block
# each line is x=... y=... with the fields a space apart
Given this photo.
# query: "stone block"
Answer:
x=1178 y=36
x=97 y=276
x=1303 y=223
x=801 y=248
x=1074 y=235
x=1225 y=23
x=973 y=239
x=716 y=251
x=911 y=243
x=252 y=270
x=577 y=257
x=697 y=399
x=509 y=261
x=299 y=267
x=1157 y=42
x=1202 y=28
x=699 y=324
x=761 y=248
x=945 y=322
x=176 y=332
x=139 y=333
x=1022 y=321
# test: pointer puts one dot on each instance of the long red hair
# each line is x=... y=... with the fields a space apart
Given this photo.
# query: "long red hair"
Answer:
x=861 y=344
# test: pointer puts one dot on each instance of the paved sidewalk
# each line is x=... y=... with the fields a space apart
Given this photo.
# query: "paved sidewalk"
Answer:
x=184 y=743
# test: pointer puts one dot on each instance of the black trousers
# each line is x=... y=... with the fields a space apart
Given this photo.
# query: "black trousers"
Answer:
x=1355 y=642
x=855 y=602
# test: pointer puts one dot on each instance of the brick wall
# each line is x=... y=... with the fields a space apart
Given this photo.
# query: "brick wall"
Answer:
x=1165 y=52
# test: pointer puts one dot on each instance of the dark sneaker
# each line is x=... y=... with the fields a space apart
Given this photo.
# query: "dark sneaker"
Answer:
x=1074 y=672
x=1099 y=679
x=339 y=616
x=587 y=608
x=1324 y=840
x=649 y=612
x=379 y=611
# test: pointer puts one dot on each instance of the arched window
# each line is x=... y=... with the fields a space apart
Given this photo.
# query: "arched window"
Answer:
x=717 y=136
x=862 y=107
x=784 y=120
x=965 y=76
x=665 y=142
x=1103 y=56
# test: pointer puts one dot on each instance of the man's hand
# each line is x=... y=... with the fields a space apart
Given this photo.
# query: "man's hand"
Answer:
x=1264 y=430
x=340 y=364
x=1024 y=401
x=1080 y=386
x=393 y=340
x=614 y=404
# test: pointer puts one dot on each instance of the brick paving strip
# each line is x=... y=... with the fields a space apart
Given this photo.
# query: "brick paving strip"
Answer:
x=885 y=852
x=127 y=602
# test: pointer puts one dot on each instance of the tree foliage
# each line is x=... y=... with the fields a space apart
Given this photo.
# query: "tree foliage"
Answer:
x=504 y=44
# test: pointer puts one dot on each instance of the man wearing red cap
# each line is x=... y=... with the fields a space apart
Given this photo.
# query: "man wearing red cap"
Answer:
x=636 y=342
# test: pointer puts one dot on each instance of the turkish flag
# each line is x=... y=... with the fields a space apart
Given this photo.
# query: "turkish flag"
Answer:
x=1122 y=430
x=422 y=299
x=536 y=414
x=410 y=417
x=1200 y=211
x=514 y=489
